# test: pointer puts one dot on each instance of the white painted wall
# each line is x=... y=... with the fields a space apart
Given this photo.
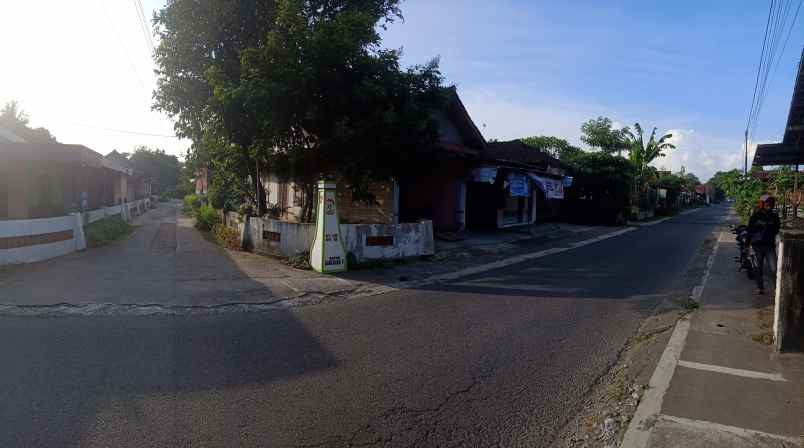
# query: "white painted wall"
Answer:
x=74 y=222
x=410 y=239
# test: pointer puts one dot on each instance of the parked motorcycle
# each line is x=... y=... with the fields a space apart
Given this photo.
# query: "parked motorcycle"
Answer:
x=747 y=258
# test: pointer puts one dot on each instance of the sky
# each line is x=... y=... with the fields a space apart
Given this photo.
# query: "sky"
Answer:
x=84 y=69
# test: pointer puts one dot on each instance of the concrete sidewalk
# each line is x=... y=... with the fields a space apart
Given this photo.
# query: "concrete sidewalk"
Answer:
x=716 y=385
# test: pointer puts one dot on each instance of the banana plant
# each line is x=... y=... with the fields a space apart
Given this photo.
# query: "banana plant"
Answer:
x=642 y=153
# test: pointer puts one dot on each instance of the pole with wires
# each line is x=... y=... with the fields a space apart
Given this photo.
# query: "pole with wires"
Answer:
x=745 y=168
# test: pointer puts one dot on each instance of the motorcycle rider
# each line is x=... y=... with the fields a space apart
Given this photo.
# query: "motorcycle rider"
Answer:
x=763 y=226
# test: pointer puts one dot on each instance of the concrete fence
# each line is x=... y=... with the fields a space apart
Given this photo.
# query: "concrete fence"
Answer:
x=788 y=319
x=363 y=241
x=32 y=240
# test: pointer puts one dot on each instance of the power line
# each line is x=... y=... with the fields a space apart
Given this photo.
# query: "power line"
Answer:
x=123 y=131
x=771 y=55
x=125 y=49
x=759 y=69
x=782 y=12
x=787 y=38
x=143 y=22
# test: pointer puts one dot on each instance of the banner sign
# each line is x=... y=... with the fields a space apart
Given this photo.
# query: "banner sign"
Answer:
x=518 y=185
x=485 y=174
x=328 y=253
x=552 y=188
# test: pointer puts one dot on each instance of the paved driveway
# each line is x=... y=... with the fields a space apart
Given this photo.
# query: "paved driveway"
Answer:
x=166 y=261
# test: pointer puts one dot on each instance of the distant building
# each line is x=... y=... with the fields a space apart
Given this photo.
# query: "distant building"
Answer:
x=472 y=184
x=42 y=180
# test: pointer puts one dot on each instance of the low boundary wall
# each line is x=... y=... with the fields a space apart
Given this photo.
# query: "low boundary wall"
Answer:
x=363 y=241
x=32 y=240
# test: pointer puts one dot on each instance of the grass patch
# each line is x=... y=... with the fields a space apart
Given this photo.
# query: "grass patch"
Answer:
x=106 y=231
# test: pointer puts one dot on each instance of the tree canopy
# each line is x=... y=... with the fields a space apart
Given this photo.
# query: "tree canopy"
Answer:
x=300 y=88
x=556 y=147
x=16 y=120
x=162 y=168
x=599 y=133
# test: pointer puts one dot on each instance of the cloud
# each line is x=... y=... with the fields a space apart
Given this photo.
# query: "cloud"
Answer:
x=504 y=117
x=704 y=154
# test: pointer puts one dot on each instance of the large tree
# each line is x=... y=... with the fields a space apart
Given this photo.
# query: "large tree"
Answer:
x=555 y=146
x=162 y=168
x=16 y=120
x=599 y=133
x=302 y=88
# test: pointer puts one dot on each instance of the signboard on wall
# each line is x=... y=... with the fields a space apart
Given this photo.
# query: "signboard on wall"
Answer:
x=328 y=254
x=552 y=188
x=485 y=174
x=518 y=185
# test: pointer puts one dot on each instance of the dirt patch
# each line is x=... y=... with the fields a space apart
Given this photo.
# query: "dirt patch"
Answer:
x=613 y=399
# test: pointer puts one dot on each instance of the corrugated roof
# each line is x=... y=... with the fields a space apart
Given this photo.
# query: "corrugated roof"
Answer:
x=50 y=153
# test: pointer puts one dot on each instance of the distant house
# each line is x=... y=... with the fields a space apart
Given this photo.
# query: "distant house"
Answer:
x=42 y=180
x=202 y=181
x=472 y=184
x=513 y=185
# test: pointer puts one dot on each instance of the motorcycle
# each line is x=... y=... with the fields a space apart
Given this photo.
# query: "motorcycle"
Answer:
x=747 y=259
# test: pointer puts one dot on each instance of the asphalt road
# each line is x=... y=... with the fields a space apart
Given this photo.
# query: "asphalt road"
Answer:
x=498 y=359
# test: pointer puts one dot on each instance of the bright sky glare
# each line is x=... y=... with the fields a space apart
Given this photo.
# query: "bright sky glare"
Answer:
x=83 y=69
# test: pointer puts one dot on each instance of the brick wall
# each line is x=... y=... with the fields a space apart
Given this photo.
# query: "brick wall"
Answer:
x=380 y=212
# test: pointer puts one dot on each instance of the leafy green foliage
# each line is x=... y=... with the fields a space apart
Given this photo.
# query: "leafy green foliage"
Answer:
x=226 y=236
x=14 y=119
x=726 y=182
x=746 y=194
x=298 y=87
x=641 y=153
x=107 y=230
x=598 y=133
x=162 y=168
x=601 y=188
x=554 y=146
x=206 y=217
x=191 y=203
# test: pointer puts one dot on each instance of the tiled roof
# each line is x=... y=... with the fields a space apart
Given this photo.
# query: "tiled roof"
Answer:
x=515 y=151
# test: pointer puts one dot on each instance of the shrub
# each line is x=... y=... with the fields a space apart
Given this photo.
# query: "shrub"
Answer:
x=226 y=236
x=107 y=230
x=300 y=261
x=206 y=217
x=192 y=202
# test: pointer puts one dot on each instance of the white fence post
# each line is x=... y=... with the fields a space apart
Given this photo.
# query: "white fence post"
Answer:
x=78 y=231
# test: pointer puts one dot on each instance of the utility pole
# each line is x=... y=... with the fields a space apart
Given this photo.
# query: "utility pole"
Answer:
x=745 y=169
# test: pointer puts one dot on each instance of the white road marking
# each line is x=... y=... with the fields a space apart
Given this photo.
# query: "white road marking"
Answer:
x=659 y=221
x=698 y=290
x=512 y=260
x=641 y=424
x=740 y=432
x=731 y=371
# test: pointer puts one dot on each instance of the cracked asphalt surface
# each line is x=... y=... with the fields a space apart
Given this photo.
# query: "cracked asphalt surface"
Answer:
x=501 y=358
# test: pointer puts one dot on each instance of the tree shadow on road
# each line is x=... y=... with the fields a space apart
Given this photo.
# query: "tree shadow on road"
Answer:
x=57 y=371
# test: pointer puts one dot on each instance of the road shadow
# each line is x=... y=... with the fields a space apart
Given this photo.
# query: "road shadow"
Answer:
x=56 y=371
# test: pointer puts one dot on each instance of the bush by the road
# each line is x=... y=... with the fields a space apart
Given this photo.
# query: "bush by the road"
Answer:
x=192 y=202
x=226 y=236
x=106 y=230
x=206 y=217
